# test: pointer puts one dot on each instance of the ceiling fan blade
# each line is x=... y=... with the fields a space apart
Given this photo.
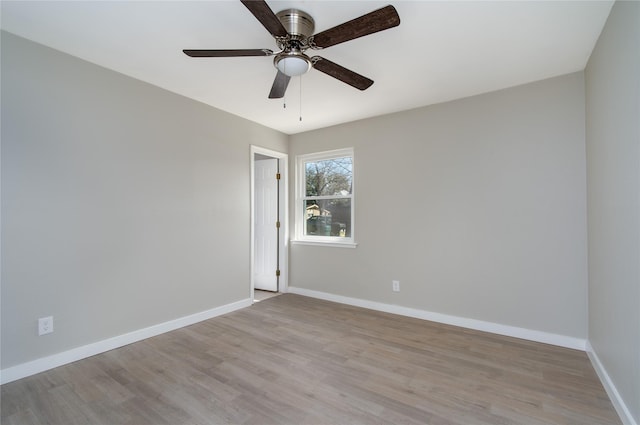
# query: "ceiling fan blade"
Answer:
x=372 y=22
x=267 y=18
x=341 y=73
x=279 y=86
x=220 y=53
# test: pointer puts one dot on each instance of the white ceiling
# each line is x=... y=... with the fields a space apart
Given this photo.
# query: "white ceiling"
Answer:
x=441 y=51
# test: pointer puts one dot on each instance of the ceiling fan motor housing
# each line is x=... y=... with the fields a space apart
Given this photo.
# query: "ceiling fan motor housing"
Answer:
x=297 y=23
x=300 y=25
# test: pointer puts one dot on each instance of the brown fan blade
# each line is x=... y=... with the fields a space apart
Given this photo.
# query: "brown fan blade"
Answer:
x=279 y=86
x=341 y=73
x=378 y=20
x=227 y=53
x=267 y=18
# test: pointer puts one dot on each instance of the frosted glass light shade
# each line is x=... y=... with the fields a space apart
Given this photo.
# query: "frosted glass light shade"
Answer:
x=293 y=65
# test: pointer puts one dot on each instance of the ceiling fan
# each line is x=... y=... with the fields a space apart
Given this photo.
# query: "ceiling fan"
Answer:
x=293 y=31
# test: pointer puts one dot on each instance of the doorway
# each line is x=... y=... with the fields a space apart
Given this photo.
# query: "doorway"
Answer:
x=269 y=233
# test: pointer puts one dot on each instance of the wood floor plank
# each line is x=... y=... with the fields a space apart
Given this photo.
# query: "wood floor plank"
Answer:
x=297 y=360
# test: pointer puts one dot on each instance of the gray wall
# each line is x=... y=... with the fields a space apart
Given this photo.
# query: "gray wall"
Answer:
x=123 y=205
x=477 y=206
x=613 y=172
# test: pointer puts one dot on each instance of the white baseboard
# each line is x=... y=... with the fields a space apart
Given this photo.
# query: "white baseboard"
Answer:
x=612 y=391
x=40 y=365
x=480 y=325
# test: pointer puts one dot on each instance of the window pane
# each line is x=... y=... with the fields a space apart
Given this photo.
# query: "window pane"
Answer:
x=329 y=177
x=328 y=217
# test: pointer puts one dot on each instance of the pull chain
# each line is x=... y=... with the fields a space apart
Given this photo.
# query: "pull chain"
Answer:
x=284 y=97
x=301 y=98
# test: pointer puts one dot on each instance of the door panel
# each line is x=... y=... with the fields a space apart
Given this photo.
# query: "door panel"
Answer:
x=266 y=233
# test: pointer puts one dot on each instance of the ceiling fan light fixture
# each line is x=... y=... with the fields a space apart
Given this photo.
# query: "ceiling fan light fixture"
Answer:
x=293 y=31
x=293 y=64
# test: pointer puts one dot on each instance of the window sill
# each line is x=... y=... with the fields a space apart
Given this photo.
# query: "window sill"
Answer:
x=327 y=244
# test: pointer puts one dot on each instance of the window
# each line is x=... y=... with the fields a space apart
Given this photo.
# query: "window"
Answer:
x=324 y=198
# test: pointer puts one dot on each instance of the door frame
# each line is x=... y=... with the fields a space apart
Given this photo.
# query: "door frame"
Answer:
x=283 y=244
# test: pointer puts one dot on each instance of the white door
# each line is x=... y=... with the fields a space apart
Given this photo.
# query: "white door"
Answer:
x=266 y=232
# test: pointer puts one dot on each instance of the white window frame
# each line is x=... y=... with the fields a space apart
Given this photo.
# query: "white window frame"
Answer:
x=301 y=198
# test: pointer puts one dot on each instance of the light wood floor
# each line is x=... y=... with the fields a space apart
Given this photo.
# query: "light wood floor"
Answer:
x=297 y=360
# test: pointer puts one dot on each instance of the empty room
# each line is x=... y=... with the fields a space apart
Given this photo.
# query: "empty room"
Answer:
x=320 y=212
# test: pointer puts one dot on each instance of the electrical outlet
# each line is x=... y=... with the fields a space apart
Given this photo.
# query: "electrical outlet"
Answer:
x=45 y=325
x=395 y=285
